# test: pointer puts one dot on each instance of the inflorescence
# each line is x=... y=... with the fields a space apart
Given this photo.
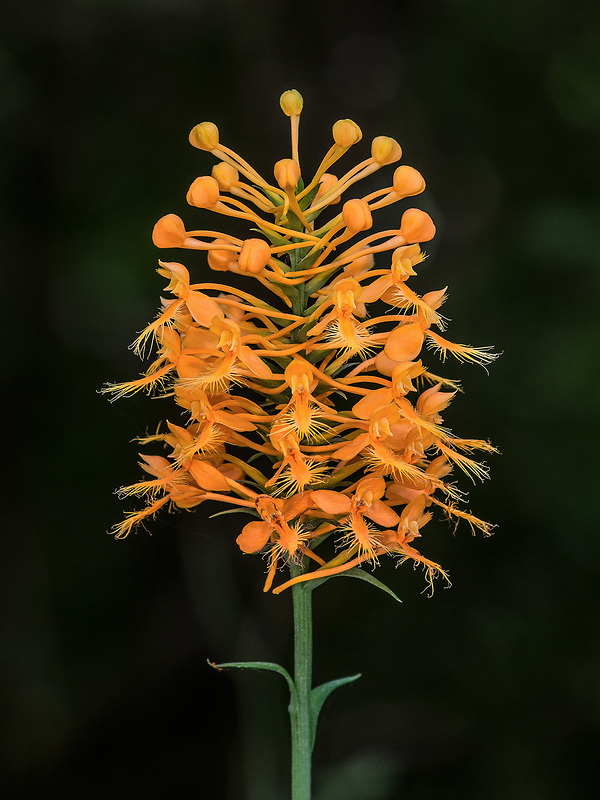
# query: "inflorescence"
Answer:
x=301 y=409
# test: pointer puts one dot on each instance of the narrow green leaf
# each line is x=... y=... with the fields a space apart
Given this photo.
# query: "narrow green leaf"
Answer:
x=318 y=696
x=276 y=199
x=293 y=222
x=307 y=199
x=253 y=473
x=339 y=476
x=356 y=572
x=308 y=260
x=265 y=666
x=319 y=280
x=274 y=238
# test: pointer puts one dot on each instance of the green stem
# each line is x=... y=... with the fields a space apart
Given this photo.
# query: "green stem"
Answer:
x=296 y=256
x=300 y=705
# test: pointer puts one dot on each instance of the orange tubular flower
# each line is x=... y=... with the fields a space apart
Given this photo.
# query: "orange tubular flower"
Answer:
x=306 y=403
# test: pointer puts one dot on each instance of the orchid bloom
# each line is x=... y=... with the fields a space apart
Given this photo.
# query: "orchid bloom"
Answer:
x=305 y=402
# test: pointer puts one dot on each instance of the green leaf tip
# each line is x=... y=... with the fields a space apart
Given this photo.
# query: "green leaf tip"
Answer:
x=266 y=666
x=318 y=696
x=356 y=572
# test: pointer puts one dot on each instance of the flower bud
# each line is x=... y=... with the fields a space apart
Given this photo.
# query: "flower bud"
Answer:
x=287 y=173
x=254 y=256
x=408 y=181
x=432 y=401
x=169 y=231
x=357 y=215
x=221 y=260
x=385 y=150
x=291 y=103
x=205 y=136
x=346 y=133
x=416 y=226
x=327 y=182
x=203 y=193
x=225 y=175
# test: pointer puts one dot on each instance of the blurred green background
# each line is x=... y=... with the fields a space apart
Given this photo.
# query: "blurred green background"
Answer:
x=489 y=690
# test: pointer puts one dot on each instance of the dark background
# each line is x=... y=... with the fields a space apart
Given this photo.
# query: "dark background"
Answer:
x=489 y=690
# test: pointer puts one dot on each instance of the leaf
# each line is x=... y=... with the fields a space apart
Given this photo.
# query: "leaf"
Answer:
x=308 y=260
x=293 y=222
x=318 y=696
x=355 y=572
x=274 y=238
x=307 y=199
x=276 y=199
x=339 y=476
x=253 y=473
x=266 y=666
x=319 y=280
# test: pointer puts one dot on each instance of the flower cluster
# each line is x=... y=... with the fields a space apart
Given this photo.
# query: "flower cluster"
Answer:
x=300 y=407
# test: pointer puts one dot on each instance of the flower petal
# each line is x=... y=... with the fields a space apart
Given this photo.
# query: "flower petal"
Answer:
x=207 y=477
x=203 y=308
x=405 y=342
x=332 y=502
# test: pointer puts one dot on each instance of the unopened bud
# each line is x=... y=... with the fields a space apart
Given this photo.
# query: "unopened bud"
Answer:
x=254 y=256
x=346 y=133
x=291 y=103
x=205 y=136
x=203 y=193
x=385 y=150
x=287 y=173
x=221 y=260
x=169 y=231
x=357 y=215
x=327 y=181
x=225 y=175
x=416 y=226
x=408 y=181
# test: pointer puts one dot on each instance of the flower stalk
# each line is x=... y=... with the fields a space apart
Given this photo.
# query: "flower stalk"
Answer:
x=300 y=702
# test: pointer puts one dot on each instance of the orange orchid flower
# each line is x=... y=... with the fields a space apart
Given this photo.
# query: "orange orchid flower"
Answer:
x=314 y=410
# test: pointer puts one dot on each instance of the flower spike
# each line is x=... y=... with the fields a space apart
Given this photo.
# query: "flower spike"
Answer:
x=314 y=412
